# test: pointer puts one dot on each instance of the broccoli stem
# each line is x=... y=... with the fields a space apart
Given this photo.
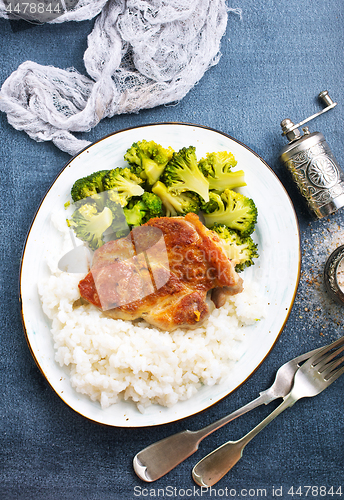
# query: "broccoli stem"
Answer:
x=99 y=223
x=229 y=181
x=193 y=180
x=169 y=201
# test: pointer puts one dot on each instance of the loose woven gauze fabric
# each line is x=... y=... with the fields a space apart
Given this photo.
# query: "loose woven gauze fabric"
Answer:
x=140 y=54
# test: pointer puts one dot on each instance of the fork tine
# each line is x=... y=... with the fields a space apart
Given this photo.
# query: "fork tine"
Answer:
x=331 y=366
x=335 y=375
x=319 y=356
x=324 y=363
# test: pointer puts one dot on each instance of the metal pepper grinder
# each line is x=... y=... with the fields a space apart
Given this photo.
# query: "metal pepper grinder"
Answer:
x=312 y=165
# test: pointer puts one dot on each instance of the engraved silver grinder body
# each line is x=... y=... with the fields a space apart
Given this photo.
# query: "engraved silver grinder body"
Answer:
x=313 y=166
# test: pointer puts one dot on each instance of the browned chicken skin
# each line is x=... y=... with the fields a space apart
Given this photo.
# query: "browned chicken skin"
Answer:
x=162 y=272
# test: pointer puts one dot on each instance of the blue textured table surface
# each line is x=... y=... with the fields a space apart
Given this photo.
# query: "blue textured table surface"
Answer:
x=275 y=60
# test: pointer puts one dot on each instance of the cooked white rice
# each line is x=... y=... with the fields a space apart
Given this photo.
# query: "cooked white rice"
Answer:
x=112 y=359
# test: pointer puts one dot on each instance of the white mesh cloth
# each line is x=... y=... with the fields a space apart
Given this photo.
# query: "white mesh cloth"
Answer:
x=141 y=54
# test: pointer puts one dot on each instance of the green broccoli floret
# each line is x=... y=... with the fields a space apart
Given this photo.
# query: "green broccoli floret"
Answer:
x=176 y=204
x=140 y=211
x=89 y=224
x=119 y=225
x=122 y=185
x=88 y=186
x=236 y=211
x=183 y=174
x=213 y=204
x=216 y=167
x=135 y=215
x=241 y=251
x=153 y=204
x=148 y=160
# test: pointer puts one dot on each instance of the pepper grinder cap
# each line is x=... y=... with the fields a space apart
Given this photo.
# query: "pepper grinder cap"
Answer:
x=331 y=275
x=317 y=174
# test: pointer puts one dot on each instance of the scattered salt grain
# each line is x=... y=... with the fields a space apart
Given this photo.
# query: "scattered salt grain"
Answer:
x=318 y=313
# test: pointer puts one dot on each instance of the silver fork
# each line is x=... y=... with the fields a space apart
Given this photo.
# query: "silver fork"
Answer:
x=159 y=458
x=315 y=375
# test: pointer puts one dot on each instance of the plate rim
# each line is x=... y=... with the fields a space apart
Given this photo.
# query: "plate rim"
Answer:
x=146 y=125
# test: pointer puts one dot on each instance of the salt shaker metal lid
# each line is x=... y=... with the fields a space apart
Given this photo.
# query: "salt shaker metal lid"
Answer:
x=313 y=166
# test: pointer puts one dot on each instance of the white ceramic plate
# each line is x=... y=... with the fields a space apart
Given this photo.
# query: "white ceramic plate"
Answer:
x=276 y=271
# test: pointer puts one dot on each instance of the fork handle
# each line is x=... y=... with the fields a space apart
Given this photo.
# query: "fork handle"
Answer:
x=287 y=402
x=214 y=466
x=263 y=398
x=161 y=457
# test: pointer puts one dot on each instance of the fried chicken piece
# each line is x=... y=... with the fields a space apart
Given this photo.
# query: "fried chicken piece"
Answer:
x=161 y=272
